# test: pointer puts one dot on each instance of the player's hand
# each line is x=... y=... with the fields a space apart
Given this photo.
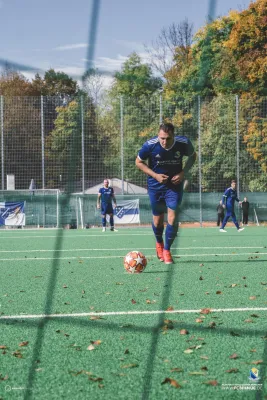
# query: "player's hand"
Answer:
x=223 y=205
x=161 y=178
x=98 y=206
x=240 y=203
x=176 y=179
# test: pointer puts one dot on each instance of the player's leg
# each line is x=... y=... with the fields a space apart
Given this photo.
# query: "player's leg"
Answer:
x=111 y=218
x=227 y=216
x=104 y=220
x=218 y=219
x=173 y=199
x=235 y=222
x=157 y=207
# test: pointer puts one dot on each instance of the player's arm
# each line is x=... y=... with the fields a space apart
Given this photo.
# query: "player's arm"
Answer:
x=225 y=196
x=98 y=200
x=114 y=199
x=141 y=164
x=191 y=154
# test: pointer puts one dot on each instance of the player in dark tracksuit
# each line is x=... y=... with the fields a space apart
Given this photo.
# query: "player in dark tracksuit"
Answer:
x=245 y=207
x=105 y=196
x=228 y=199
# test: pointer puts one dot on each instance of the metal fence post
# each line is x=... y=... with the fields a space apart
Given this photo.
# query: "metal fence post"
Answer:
x=237 y=144
x=122 y=145
x=82 y=126
x=160 y=109
x=42 y=142
x=199 y=160
x=2 y=142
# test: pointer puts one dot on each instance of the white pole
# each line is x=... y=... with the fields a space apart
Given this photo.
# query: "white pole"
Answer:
x=256 y=217
x=57 y=209
x=81 y=211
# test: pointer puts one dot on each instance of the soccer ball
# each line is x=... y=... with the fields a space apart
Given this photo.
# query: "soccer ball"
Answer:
x=135 y=262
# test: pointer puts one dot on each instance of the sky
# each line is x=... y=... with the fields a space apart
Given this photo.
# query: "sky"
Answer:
x=55 y=33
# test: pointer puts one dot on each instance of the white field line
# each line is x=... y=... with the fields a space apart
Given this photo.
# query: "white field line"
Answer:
x=103 y=314
x=115 y=234
x=127 y=249
x=108 y=257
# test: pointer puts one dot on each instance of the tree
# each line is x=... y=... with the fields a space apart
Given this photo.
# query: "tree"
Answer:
x=55 y=84
x=135 y=79
x=93 y=85
x=173 y=42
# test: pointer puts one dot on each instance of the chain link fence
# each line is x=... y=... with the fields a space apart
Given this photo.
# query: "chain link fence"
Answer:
x=72 y=145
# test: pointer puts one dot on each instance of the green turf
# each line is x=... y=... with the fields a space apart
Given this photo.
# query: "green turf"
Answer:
x=137 y=352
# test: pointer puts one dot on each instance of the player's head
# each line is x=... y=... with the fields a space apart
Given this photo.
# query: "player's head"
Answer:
x=245 y=199
x=106 y=183
x=166 y=135
x=233 y=184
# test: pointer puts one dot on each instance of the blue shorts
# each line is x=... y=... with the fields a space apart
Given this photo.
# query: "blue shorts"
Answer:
x=160 y=200
x=106 y=209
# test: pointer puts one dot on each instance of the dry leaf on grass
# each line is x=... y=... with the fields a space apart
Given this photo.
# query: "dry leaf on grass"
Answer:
x=211 y=383
x=90 y=347
x=232 y=370
x=22 y=344
x=172 y=382
x=184 y=332
x=177 y=370
x=133 y=301
x=205 y=311
x=257 y=362
x=234 y=356
x=129 y=366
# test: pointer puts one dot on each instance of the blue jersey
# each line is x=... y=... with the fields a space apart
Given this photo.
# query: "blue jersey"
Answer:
x=165 y=161
x=229 y=198
x=106 y=195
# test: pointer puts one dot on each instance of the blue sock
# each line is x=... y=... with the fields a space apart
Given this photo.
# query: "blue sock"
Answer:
x=104 y=222
x=158 y=232
x=170 y=234
x=111 y=221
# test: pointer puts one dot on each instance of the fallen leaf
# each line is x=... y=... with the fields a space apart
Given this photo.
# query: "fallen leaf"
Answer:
x=233 y=285
x=205 y=311
x=17 y=354
x=230 y=371
x=98 y=379
x=184 y=332
x=127 y=351
x=204 y=357
x=199 y=320
x=201 y=265
x=252 y=298
x=83 y=291
x=201 y=278
x=197 y=373
x=170 y=308
x=90 y=347
x=253 y=351
x=188 y=351
x=3 y=378
x=23 y=344
x=204 y=368
x=172 y=382
x=177 y=370
x=211 y=383
x=133 y=301
x=3 y=347
x=218 y=292
x=96 y=342
x=65 y=286
x=232 y=333
x=263 y=283
x=254 y=316
x=95 y=317
x=257 y=362
x=129 y=366
x=212 y=324
x=234 y=356
x=248 y=320
x=119 y=283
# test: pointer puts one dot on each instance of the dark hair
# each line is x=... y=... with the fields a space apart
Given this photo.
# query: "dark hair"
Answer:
x=233 y=181
x=167 y=128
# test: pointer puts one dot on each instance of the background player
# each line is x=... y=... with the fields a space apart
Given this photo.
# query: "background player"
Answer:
x=105 y=196
x=165 y=182
x=229 y=198
x=245 y=208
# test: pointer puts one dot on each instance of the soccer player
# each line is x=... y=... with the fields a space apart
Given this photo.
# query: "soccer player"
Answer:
x=165 y=171
x=229 y=198
x=105 y=196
